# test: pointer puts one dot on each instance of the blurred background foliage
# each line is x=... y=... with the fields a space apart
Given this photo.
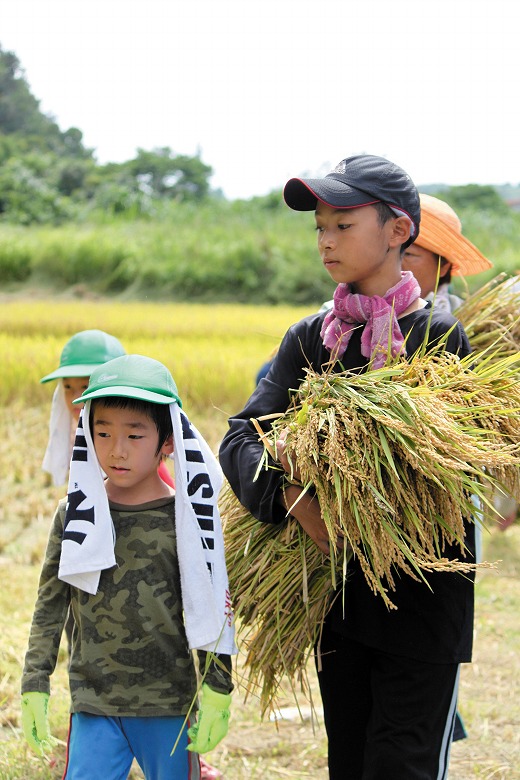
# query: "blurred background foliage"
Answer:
x=153 y=227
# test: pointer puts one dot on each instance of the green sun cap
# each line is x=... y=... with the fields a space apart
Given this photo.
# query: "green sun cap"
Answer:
x=84 y=352
x=132 y=376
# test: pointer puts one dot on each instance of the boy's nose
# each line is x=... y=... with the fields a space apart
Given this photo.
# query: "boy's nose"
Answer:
x=326 y=239
x=118 y=449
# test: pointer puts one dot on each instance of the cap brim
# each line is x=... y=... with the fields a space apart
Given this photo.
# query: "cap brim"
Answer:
x=79 y=369
x=438 y=237
x=303 y=194
x=127 y=392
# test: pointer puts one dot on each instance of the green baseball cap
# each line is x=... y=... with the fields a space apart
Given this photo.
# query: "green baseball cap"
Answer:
x=132 y=376
x=84 y=352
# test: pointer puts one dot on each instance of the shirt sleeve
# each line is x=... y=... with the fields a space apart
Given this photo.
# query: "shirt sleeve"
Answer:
x=49 y=615
x=216 y=669
x=241 y=450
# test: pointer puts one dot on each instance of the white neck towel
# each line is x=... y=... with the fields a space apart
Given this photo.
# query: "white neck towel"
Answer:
x=88 y=540
x=206 y=599
x=56 y=460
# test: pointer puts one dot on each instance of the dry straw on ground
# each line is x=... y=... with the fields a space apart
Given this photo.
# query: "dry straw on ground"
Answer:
x=395 y=456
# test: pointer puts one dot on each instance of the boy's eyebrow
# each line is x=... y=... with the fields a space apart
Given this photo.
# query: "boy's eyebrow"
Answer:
x=336 y=211
x=100 y=421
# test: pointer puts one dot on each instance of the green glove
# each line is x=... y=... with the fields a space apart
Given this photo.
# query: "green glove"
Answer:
x=35 y=722
x=212 y=720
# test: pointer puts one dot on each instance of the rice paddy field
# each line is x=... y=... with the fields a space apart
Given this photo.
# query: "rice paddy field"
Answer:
x=213 y=353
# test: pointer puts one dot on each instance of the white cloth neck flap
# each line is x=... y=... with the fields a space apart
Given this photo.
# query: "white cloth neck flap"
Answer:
x=57 y=455
x=88 y=538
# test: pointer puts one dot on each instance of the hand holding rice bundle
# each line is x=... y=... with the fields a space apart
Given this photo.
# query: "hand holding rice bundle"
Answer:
x=394 y=457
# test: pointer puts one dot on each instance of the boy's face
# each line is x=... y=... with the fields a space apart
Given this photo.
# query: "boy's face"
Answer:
x=424 y=265
x=126 y=444
x=354 y=247
x=73 y=387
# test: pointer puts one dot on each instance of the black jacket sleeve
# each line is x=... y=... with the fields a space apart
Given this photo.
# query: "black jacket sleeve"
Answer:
x=241 y=450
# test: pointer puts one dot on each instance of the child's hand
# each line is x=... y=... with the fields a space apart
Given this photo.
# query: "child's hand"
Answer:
x=212 y=721
x=306 y=510
x=35 y=722
x=285 y=457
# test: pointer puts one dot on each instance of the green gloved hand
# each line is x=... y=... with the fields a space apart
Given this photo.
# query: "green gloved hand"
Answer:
x=35 y=722
x=212 y=721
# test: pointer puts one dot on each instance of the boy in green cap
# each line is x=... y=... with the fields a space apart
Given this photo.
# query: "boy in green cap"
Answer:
x=79 y=357
x=143 y=569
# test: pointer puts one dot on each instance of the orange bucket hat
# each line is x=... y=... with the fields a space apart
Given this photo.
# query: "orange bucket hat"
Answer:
x=441 y=233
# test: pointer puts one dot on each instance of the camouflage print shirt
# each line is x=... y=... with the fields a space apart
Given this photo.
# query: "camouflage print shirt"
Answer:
x=130 y=655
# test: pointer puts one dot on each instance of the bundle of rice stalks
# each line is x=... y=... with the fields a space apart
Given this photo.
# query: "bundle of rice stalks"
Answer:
x=491 y=316
x=394 y=456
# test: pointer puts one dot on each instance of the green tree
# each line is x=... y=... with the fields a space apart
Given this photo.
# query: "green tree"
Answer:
x=26 y=197
x=166 y=175
x=46 y=173
x=20 y=114
x=481 y=197
x=19 y=109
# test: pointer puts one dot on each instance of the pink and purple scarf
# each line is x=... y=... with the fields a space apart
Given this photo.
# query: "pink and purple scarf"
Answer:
x=380 y=315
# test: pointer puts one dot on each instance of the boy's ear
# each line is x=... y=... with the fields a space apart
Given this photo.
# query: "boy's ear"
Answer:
x=167 y=447
x=401 y=229
x=445 y=267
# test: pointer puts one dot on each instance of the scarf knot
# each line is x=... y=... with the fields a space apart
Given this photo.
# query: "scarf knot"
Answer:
x=379 y=315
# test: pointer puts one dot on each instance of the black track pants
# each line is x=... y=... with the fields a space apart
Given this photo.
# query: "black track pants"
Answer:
x=387 y=717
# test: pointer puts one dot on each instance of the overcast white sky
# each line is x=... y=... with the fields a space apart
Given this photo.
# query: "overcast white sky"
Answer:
x=269 y=89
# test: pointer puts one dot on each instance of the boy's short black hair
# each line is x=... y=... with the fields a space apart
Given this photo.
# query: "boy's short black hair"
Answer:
x=384 y=213
x=158 y=413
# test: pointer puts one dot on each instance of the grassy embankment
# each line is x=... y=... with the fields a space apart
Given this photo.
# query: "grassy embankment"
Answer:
x=255 y=251
x=213 y=353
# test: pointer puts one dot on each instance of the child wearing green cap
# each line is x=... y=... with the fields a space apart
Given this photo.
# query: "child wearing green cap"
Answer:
x=142 y=568
x=388 y=678
x=79 y=357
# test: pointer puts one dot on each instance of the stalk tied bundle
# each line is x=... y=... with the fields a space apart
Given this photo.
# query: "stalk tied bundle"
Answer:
x=397 y=458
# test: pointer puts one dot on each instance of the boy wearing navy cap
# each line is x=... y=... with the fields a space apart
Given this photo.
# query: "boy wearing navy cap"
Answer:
x=388 y=679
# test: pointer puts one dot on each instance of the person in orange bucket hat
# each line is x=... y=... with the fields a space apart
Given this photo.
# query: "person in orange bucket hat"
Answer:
x=440 y=252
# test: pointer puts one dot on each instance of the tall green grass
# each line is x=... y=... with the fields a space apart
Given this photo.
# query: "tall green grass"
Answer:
x=215 y=252
x=219 y=251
